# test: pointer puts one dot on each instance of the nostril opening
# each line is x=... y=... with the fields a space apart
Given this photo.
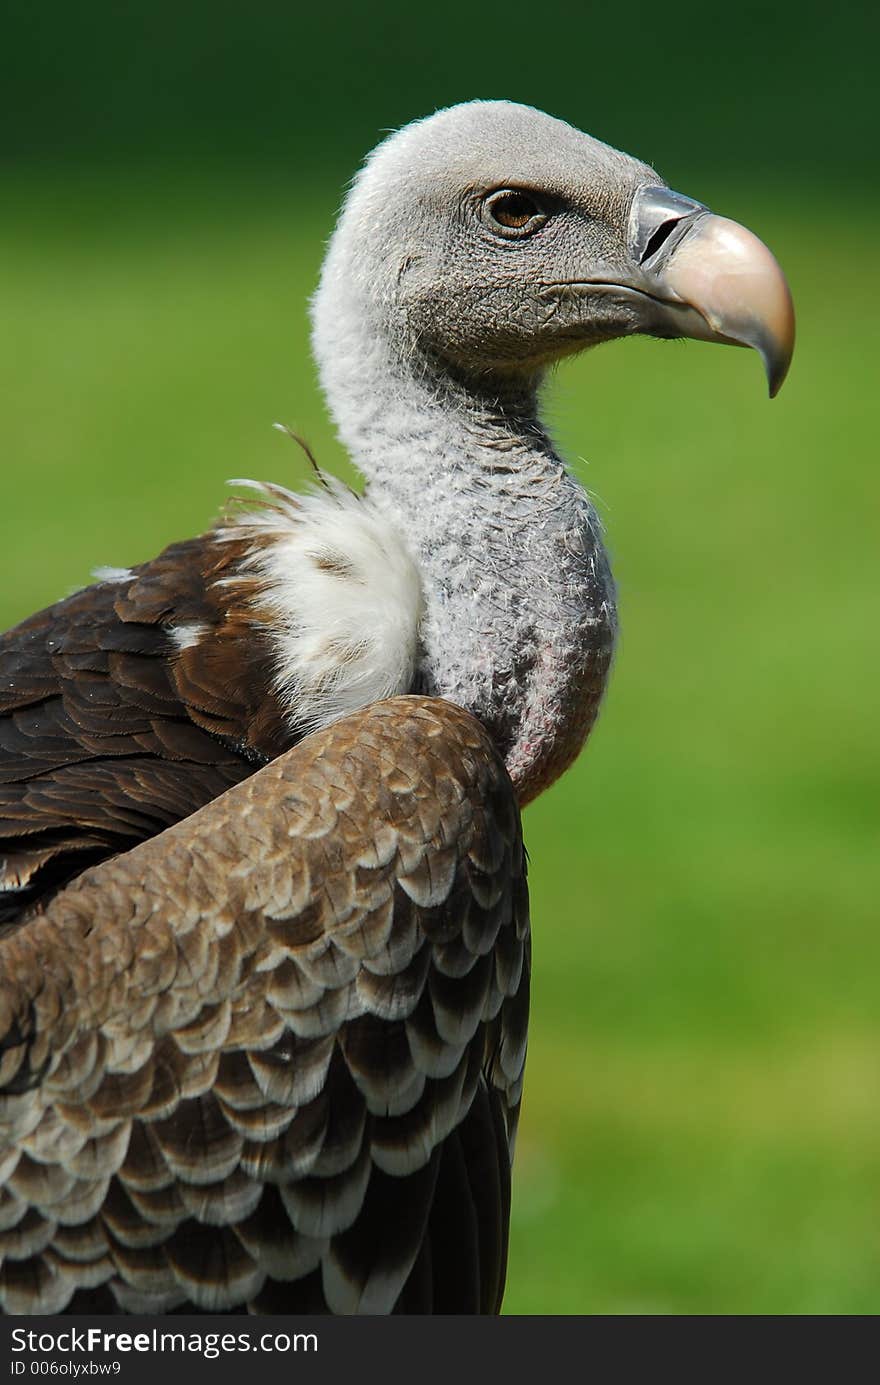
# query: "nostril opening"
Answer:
x=658 y=237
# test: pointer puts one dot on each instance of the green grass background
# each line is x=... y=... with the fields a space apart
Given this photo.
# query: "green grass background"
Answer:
x=701 y=1129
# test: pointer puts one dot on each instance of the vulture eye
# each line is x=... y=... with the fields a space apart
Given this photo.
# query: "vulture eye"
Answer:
x=514 y=211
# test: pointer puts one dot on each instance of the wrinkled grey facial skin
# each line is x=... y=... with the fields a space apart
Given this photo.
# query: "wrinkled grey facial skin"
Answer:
x=453 y=284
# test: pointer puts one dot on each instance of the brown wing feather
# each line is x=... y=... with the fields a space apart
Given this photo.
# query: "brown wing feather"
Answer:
x=109 y=733
x=273 y=1057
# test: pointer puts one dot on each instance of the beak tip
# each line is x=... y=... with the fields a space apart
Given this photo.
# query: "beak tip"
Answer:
x=775 y=378
x=777 y=360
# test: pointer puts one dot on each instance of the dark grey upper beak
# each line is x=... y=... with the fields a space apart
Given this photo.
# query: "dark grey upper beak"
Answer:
x=710 y=278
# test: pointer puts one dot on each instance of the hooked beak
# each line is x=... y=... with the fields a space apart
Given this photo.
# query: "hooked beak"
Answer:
x=710 y=278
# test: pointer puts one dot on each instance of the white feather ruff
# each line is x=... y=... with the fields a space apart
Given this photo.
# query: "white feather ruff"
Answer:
x=344 y=597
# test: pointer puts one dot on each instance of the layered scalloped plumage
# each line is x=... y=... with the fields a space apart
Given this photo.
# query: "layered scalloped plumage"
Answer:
x=244 y=1063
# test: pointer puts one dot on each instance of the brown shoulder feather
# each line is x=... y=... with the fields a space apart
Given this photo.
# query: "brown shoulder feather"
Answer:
x=110 y=731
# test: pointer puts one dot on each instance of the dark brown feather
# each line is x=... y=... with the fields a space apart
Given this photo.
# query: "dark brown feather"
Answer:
x=109 y=733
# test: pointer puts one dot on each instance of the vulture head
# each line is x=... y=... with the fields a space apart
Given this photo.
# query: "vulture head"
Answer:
x=490 y=239
x=477 y=247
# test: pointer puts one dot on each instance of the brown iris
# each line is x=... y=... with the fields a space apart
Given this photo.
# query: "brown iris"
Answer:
x=513 y=210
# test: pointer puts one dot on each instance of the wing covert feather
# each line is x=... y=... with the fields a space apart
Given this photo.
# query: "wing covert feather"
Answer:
x=272 y=1058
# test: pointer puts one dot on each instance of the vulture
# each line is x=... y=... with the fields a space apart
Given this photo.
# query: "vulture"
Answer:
x=265 y=949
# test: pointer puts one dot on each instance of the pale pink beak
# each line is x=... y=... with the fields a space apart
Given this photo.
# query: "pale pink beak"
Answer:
x=730 y=278
x=711 y=279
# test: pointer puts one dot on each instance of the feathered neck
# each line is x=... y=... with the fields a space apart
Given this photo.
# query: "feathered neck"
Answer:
x=519 y=617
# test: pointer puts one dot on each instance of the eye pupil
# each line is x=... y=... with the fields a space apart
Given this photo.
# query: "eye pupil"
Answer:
x=513 y=210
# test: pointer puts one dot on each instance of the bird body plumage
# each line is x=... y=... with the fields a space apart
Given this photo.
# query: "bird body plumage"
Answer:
x=268 y=1031
x=264 y=940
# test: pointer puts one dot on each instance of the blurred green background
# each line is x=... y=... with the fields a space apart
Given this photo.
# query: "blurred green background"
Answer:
x=701 y=1129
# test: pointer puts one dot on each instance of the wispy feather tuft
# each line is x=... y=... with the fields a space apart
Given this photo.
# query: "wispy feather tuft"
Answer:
x=338 y=594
